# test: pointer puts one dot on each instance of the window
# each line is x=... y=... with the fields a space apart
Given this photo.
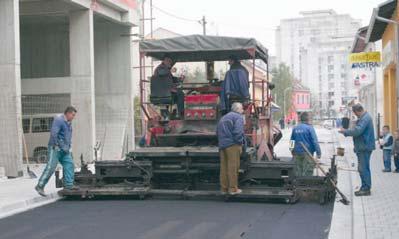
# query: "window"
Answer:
x=330 y=68
x=343 y=84
x=343 y=75
x=331 y=103
x=26 y=125
x=330 y=94
x=331 y=85
x=297 y=99
x=330 y=59
x=303 y=99
x=42 y=124
x=330 y=76
x=300 y=33
x=343 y=66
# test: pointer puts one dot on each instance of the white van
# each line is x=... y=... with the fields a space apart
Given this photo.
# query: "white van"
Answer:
x=37 y=133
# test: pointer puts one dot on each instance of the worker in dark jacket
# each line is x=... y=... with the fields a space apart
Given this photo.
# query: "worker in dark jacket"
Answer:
x=235 y=84
x=304 y=133
x=230 y=132
x=163 y=71
x=59 y=151
x=395 y=151
x=364 y=144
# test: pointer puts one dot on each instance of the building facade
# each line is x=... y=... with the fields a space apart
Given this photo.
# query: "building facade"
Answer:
x=316 y=47
x=380 y=29
x=300 y=101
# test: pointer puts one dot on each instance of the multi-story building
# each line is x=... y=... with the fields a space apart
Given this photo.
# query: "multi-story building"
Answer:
x=316 y=47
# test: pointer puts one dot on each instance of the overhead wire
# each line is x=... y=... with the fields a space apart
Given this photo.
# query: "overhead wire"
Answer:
x=175 y=16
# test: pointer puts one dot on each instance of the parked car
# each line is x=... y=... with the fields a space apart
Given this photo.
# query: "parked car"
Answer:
x=37 y=132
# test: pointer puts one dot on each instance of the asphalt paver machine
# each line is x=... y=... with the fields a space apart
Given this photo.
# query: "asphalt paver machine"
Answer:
x=180 y=157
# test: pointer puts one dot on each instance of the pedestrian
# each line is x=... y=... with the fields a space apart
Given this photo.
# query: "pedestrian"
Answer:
x=386 y=145
x=230 y=132
x=281 y=122
x=364 y=144
x=304 y=133
x=59 y=151
x=395 y=151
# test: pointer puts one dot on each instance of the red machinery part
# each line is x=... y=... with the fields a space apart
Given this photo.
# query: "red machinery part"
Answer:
x=199 y=114
x=205 y=99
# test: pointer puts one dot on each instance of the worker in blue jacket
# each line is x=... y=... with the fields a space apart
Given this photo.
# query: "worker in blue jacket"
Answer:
x=364 y=144
x=231 y=138
x=59 y=151
x=235 y=84
x=304 y=133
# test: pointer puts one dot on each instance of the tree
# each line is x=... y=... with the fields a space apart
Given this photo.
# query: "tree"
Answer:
x=282 y=78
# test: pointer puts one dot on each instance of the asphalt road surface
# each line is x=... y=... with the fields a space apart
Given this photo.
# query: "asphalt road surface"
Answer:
x=152 y=219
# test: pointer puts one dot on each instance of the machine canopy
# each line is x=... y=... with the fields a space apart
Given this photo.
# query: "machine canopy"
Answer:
x=204 y=48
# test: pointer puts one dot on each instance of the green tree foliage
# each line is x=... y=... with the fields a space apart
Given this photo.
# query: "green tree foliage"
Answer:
x=282 y=78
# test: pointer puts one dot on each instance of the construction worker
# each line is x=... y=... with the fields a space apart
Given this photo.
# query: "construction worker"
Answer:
x=235 y=86
x=164 y=71
x=59 y=151
x=364 y=144
x=304 y=133
x=230 y=132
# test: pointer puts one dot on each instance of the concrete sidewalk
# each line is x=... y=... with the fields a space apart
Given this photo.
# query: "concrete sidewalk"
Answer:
x=372 y=217
x=18 y=195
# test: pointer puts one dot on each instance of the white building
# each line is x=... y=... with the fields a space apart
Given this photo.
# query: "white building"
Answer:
x=316 y=47
x=67 y=52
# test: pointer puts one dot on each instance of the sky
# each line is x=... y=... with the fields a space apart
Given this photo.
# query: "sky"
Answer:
x=246 y=18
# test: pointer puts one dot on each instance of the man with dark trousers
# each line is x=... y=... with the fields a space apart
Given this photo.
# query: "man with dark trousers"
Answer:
x=230 y=132
x=364 y=144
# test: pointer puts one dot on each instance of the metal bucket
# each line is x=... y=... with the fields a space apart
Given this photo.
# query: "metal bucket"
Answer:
x=340 y=151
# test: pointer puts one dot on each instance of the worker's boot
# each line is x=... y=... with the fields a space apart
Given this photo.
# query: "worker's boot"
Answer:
x=362 y=192
x=237 y=191
x=40 y=191
x=73 y=187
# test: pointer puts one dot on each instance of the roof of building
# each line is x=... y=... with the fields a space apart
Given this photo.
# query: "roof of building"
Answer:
x=359 y=44
x=161 y=33
x=297 y=86
x=377 y=28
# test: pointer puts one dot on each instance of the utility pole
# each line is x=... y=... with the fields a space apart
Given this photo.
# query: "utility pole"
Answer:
x=203 y=22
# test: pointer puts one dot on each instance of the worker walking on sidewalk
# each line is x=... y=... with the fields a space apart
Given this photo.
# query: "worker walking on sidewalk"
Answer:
x=304 y=133
x=230 y=132
x=364 y=144
x=59 y=151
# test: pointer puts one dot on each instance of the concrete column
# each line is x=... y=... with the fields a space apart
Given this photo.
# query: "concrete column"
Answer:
x=82 y=81
x=10 y=93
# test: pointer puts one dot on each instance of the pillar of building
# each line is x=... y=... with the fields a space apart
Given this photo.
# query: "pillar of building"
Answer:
x=114 y=89
x=82 y=83
x=10 y=93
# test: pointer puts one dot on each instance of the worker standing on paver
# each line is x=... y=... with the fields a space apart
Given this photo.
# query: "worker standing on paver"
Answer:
x=59 y=151
x=304 y=133
x=230 y=132
x=364 y=144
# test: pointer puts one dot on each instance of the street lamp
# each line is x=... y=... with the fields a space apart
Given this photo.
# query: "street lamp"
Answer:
x=285 y=90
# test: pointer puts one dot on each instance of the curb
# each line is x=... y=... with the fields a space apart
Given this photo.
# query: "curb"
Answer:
x=25 y=205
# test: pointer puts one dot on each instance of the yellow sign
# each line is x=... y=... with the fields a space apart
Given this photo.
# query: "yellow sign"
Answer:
x=363 y=57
